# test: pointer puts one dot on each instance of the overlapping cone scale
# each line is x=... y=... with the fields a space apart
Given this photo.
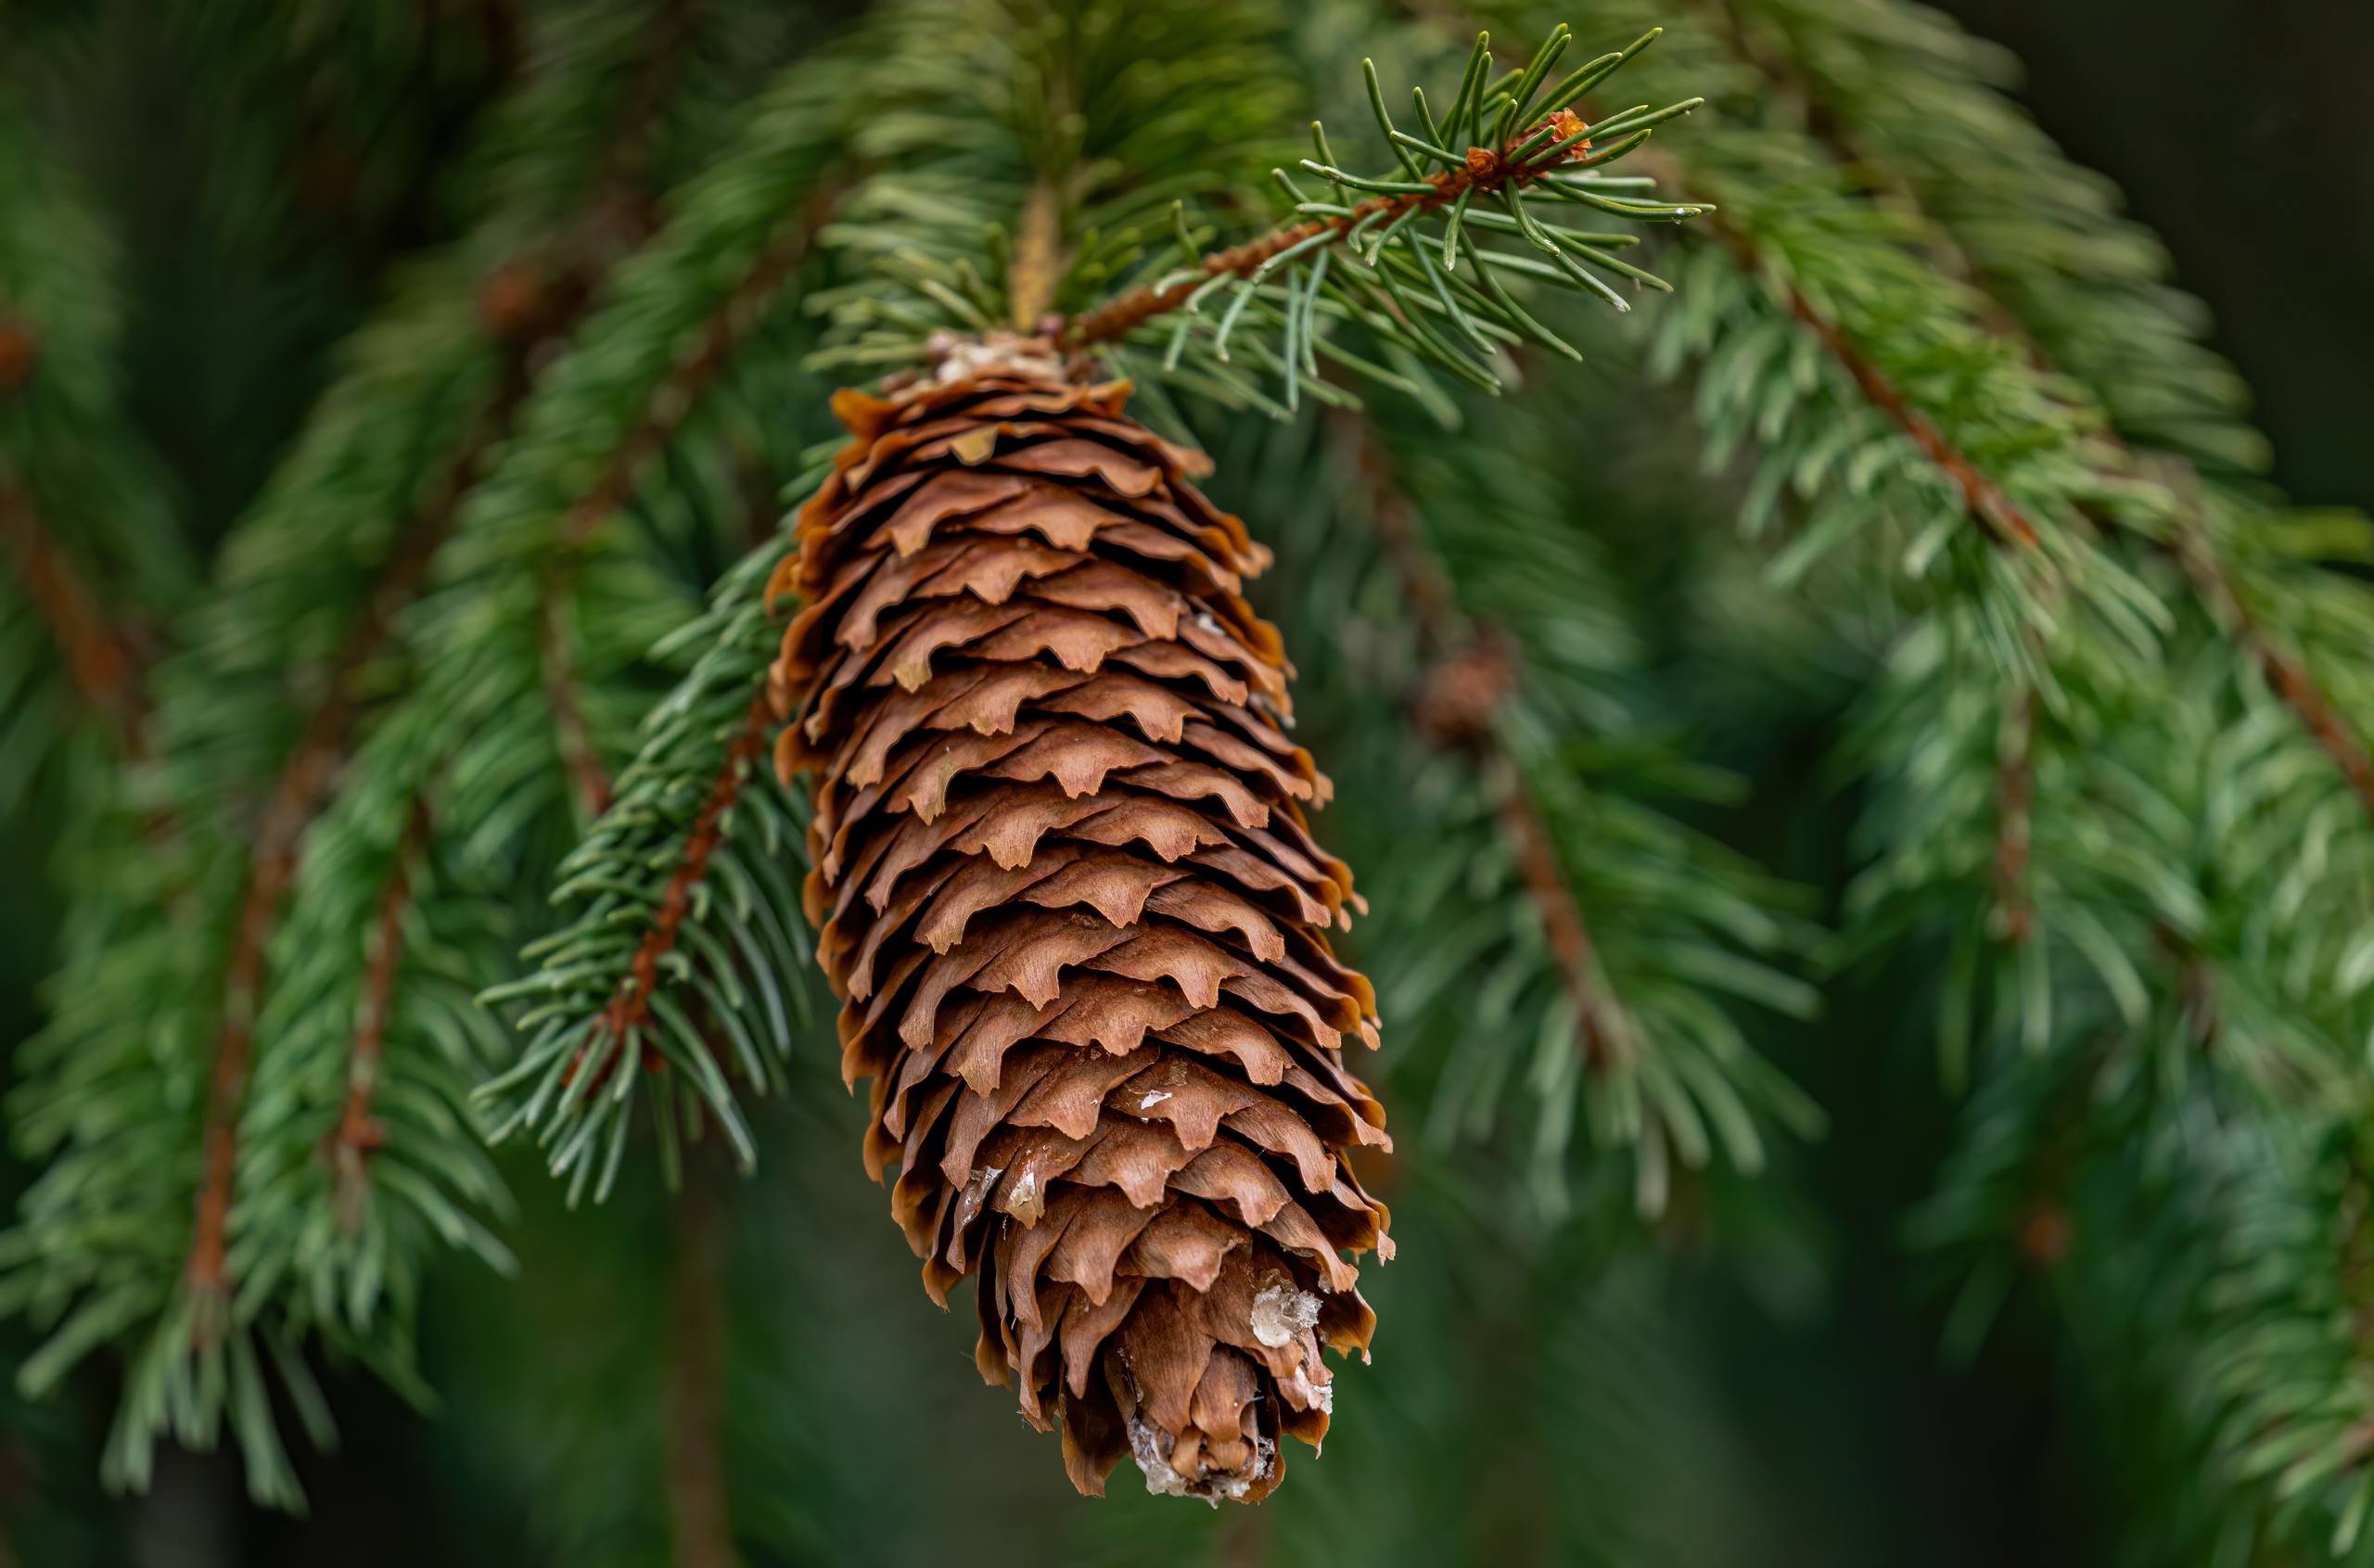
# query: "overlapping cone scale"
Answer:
x=1070 y=900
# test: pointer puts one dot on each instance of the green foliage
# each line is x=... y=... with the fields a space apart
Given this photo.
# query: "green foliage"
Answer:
x=1490 y=1015
x=1104 y=115
x=86 y=521
x=738 y=968
x=297 y=647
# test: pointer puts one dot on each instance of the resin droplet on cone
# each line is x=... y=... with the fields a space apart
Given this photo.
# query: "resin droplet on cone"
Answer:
x=1070 y=900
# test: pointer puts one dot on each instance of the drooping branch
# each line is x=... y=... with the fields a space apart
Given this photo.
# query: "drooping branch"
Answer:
x=358 y=1133
x=303 y=783
x=671 y=401
x=521 y=309
x=2205 y=570
x=2213 y=580
x=1999 y=516
x=1474 y=675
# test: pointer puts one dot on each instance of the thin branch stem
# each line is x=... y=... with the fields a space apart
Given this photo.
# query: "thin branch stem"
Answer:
x=670 y=403
x=358 y=1134
x=100 y=658
x=304 y=782
x=632 y=1004
x=1486 y=170
x=1037 y=269
x=1603 y=1036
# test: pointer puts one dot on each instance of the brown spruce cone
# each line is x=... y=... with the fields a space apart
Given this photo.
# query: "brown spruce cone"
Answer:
x=1071 y=903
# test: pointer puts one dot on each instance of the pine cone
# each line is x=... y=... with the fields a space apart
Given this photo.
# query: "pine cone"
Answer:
x=1069 y=899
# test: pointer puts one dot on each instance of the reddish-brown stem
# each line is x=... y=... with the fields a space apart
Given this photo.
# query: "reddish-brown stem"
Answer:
x=2282 y=669
x=1448 y=636
x=1605 y=1043
x=100 y=658
x=358 y=1134
x=304 y=781
x=1484 y=170
x=632 y=1004
x=1982 y=499
x=664 y=412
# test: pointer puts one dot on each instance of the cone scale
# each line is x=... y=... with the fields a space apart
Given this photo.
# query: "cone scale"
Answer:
x=1068 y=896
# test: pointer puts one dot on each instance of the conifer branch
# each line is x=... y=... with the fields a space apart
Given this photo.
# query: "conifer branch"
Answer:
x=2211 y=576
x=528 y=312
x=1487 y=170
x=2001 y=519
x=305 y=780
x=669 y=401
x=102 y=659
x=358 y=1134
x=1486 y=677
x=1426 y=290
x=1468 y=595
x=632 y=1008
x=2285 y=673
x=686 y=945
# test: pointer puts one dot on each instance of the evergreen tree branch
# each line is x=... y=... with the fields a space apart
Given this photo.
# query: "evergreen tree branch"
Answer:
x=85 y=523
x=2285 y=673
x=304 y=782
x=102 y=658
x=669 y=401
x=1983 y=498
x=1522 y=735
x=246 y=1014
x=1536 y=143
x=2190 y=539
x=358 y=1134
x=1468 y=721
x=670 y=904
x=308 y=776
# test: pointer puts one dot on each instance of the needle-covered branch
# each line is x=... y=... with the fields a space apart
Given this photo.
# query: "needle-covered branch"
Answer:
x=1431 y=258
x=685 y=933
x=288 y=661
x=92 y=559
